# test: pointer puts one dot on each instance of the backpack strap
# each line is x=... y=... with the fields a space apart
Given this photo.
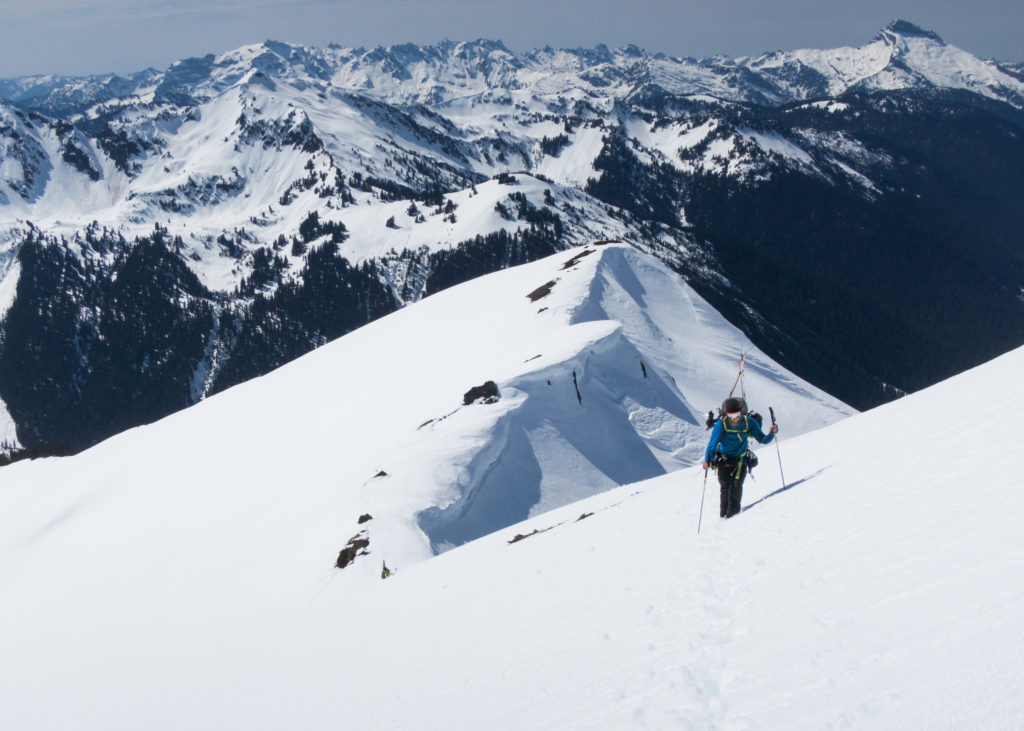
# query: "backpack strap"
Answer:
x=744 y=430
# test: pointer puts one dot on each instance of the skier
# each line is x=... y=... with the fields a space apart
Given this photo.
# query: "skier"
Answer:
x=727 y=452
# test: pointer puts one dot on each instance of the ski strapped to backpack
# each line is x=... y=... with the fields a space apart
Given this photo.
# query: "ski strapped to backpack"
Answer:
x=742 y=398
x=749 y=457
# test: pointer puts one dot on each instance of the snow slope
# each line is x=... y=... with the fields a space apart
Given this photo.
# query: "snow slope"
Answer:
x=178 y=575
x=879 y=589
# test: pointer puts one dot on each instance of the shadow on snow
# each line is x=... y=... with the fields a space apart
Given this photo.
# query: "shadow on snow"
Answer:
x=785 y=488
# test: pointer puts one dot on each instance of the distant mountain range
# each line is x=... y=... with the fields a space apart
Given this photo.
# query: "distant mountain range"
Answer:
x=166 y=235
x=902 y=56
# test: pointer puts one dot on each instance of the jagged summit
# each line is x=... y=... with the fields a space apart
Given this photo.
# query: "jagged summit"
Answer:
x=906 y=28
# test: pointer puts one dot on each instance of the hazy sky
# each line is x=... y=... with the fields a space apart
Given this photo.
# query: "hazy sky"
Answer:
x=77 y=37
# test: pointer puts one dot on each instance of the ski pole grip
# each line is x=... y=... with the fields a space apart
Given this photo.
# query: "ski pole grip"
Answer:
x=772 y=412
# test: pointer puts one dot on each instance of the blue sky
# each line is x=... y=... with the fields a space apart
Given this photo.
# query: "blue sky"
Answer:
x=96 y=36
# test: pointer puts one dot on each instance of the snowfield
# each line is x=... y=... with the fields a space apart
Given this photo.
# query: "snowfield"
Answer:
x=880 y=589
x=180 y=575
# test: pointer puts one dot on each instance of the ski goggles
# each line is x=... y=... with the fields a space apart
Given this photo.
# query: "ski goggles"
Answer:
x=734 y=414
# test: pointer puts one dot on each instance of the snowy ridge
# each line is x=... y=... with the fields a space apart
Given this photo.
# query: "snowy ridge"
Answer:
x=639 y=355
x=173 y=577
x=587 y=403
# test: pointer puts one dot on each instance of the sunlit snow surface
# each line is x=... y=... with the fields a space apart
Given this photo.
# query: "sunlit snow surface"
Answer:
x=180 y=575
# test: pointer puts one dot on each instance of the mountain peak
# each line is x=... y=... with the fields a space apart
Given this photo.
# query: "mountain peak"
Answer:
x=486 y=44
x=905 y=28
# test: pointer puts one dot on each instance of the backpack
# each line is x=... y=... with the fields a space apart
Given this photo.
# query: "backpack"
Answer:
x=750 y=458
x=713 y=419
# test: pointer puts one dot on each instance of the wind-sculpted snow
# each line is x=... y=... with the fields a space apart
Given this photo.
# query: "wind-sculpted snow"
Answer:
x=652 y=356
x=553 y=447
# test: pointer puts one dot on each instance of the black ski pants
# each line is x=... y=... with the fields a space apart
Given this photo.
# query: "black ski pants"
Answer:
x=730 y=478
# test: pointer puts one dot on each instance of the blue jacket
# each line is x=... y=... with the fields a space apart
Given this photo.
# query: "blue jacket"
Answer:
x=731 y=441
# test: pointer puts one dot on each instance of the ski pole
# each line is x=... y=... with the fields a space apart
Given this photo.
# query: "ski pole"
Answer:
x=777 y=451
x=701 y=516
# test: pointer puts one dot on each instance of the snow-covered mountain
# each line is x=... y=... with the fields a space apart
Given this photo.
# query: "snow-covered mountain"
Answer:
x=170 y=234
x=902 y=56
x=180 y=574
